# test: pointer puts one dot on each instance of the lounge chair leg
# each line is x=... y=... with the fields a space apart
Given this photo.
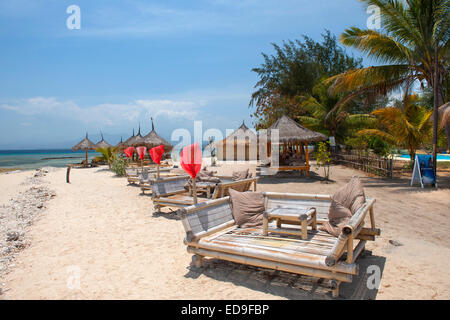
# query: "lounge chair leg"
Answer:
x=335 y=291
x=198 y=261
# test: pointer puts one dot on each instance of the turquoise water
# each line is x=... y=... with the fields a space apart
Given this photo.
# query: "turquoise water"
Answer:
x=33 y=159
x=439 y=157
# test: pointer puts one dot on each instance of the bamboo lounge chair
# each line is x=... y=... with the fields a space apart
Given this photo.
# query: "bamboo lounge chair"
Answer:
x=171 y=192
x=211 y=232
x=135 y=175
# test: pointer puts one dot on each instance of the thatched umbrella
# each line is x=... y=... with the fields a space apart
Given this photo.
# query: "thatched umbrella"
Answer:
x=85 y=145
x=102 y=143
x=128 y=141
x=137 y=140
x=152 y=140
x=120 y=145
x=444 y=112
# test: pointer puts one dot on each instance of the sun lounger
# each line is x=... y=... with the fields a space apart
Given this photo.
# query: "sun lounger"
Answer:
x=135 y=175
x=171 y=192
x=211 y=232
x=220 y=190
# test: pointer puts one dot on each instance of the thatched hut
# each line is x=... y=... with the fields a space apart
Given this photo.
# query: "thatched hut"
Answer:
x=293 y=141
x=152 y=139
x=102 y=143
x=85 y=145
x=241 y=145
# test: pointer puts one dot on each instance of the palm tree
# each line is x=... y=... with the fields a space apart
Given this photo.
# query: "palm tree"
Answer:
x=322 y=116
x=108 y=154
x=405 y=125
x=414 y=44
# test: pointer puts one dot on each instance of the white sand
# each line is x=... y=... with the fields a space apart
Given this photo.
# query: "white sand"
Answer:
x=105 y=229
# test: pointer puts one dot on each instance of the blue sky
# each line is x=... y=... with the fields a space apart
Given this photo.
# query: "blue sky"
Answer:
x=177 y=61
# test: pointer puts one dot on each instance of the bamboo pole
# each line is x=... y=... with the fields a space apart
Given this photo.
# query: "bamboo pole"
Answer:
x=337 y=250
x=298 y=258
x=273 y=265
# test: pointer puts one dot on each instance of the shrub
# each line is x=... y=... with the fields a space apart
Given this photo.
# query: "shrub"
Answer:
x=118 y=166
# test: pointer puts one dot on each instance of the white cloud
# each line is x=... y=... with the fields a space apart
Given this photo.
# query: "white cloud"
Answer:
x=106 y=114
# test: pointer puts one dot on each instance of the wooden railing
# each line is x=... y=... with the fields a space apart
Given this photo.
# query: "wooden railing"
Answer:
x=368 y=162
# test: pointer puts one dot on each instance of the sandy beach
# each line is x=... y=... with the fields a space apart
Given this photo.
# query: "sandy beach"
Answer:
x=102 y=233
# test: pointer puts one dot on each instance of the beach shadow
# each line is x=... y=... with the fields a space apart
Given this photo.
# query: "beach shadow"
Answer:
x=292 y=177
x=171 y=215
x=292 y=286
x=403 y=184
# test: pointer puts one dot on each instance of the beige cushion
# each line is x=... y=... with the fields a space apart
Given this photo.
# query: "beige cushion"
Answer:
x=247 y=208
x=239 y=175
x=344 y=204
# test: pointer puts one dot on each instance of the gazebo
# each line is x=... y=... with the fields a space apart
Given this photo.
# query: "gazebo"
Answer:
x=293 y=141
x=121 y=145
x=152 y=139
x=85 y=145
x=102 y=143
x=242 y=137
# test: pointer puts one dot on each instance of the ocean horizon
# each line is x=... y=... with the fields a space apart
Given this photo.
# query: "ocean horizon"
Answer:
x=37 y=158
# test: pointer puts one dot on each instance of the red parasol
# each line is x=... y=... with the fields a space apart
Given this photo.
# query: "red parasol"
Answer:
x=191 y=162
x=156 y=153
x=141 y=152
x=129 y=152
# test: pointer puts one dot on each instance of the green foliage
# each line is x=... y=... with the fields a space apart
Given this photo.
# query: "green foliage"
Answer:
x=405 y=125
x=323 y=158
x=292 y=72
x=108 y=154
x=118 y=166
x=403 y=49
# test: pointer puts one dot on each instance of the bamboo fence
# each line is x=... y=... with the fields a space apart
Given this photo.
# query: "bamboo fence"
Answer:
x=365 y=161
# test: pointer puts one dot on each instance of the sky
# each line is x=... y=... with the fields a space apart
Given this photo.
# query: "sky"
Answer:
x=174 y=60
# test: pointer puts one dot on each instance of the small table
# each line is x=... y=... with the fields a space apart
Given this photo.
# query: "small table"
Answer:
x=292 y=216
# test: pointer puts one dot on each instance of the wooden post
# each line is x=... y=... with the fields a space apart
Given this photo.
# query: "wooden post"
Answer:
x=194 y=190
x=306 y=158
x=157 y=174
x=86 y=163
x=350 y=249
x=68 y=174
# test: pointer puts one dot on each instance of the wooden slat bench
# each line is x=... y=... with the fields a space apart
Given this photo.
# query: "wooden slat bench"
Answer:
x=170 y=192
x=212 y=232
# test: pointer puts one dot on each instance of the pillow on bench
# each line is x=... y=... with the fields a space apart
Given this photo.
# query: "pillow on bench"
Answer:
x=247 y=208
x=239 y=175
x=344 y=203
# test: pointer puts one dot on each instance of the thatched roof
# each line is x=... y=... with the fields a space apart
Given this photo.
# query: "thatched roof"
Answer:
x=127 y=142
x=84 y=144
x=291 y=131
x=137 y=140
x=153 y=140
x=102 y=143
x=121 y=144
x=241 y=134
x=444 y=112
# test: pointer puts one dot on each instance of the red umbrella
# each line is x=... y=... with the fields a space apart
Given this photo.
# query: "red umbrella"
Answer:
x=191 y=162
x=141 y=152
x=156 y=154
x=129 y=152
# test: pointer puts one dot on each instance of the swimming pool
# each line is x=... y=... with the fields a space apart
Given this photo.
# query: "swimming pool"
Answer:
x=440 y=157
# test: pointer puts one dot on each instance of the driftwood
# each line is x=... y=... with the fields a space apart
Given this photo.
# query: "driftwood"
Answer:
x=212 y=232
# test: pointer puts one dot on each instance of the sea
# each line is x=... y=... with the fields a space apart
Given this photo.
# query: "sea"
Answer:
x=34 y=159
